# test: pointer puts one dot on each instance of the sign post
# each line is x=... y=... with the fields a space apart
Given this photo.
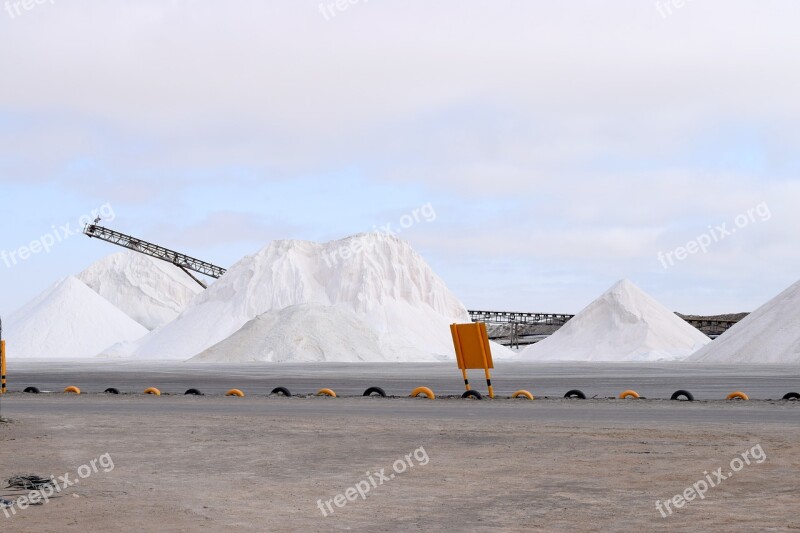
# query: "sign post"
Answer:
x=471 y=343
x=2 y=365
x=2 y=360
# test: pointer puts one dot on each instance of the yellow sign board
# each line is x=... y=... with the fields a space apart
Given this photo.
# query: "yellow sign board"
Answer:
x=2 y=367
x=471 y=343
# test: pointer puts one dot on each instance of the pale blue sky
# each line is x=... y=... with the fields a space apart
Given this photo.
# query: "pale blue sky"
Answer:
x=563 y=145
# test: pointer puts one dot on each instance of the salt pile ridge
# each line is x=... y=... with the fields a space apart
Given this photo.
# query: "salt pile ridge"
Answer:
x=150 y=291
x=624 y=324
x=770 y=334
x=68 y=321
x=379 y=278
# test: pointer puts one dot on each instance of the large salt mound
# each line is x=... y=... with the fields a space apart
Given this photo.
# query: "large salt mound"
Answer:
x=68 y=321
x=150 y=291
x=377 y=277
x=770 y=334
x=309 y=333
x=624 y=324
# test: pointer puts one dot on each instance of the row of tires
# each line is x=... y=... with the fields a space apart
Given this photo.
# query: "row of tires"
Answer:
x=283 y=391
x=684 y=394
x=428 y=393
x=155 y=392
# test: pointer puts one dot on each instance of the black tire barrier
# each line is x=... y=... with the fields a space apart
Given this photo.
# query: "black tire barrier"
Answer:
x=193 y=392
x=32 y=390
x=375 y=390
x=791 y=396
x=472 y=394
x=685 y=393
x=281 y=390
x=575 y=393
x=111 y=390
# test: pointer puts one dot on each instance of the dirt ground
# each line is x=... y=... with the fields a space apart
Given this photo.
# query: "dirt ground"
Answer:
x=187 y=467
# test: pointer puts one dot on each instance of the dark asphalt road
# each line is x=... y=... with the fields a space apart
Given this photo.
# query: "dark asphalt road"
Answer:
x=559 y=412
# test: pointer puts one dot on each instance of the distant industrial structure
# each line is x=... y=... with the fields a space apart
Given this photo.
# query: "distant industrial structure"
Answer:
x=517 y=329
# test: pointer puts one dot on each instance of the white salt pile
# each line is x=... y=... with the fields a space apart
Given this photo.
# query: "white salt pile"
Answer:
x=770 y=334
x=624 y=324
x=150 y=291
x=68 y=321
x=309 y=333
x=389 y=288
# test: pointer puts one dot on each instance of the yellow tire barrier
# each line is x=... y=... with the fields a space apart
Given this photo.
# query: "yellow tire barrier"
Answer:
x=235 y=392
x=628 y=394
x=73 y=390
x=326 y=392
x=522 y=393
x=152 y=390
x=423 y=390
x=738 y=395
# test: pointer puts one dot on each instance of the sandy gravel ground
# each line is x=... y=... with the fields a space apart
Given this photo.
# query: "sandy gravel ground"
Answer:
x=181 y=469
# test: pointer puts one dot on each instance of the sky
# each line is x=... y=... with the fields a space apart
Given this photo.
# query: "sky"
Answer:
x=554 y=147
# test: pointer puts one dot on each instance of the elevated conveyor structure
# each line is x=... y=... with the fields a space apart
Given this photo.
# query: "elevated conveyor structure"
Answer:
x=186 y=263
